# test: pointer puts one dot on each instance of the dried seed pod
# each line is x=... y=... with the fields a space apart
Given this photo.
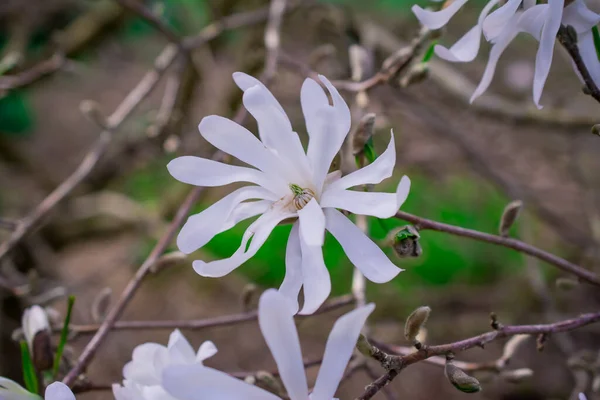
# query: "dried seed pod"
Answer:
x=509 y=216
x=459 y=378
x=517 y=375
x=405 y=242
x=415 y=321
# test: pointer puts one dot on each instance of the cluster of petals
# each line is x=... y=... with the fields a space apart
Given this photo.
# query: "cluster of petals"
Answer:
x=504 y=23
x=276 y=320
x=11 y=390
x=143 y=374
x=288 y=182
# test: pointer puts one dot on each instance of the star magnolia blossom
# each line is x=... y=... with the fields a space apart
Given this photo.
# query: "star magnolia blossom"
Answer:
x=143 y=373
x=500 y=27
x=290 y=183
x=277 y=325
x=11 y=390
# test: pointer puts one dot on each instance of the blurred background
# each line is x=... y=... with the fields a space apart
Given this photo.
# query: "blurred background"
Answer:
x=466 y=163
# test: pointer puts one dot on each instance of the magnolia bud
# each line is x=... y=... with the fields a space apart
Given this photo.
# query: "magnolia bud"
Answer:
x=596 y=129
x=459 y=379
x=363 y=346
x=417 y=73
x=363 y=133
x=405 y=242
x=509 y=216
x=36 y=329
x=517 y=375
x=415 y=321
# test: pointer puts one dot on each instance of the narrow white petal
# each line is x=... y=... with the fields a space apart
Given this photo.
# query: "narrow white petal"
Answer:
x=34 y=320
x=543 y=58
x=363 y=253
x=380 y=169
x=342 y=111
x=204 y=172
x=245 y=82
x=292 y=282
x=339 y=348
x=277 y=326
x=316 y=279
x=201 y=228
x=196 y=382
x=312 y=99
x=580 y=17
x=142 y=368
x=11 y=390
x=381 y=205
x=532 y=20
x=312 y=223
x=180 y=350
x=496 y=21
x=246 y=210
x=58 y=391
x=258 y=231
x=437 y=19
x=206 y=351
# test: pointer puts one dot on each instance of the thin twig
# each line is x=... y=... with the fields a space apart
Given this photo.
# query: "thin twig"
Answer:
x=515 y=244
x=273 y=35
x=138 y=8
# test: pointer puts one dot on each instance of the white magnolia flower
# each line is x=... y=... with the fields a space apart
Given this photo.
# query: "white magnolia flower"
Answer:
x=289 y=183
x=277 y=325
x=11 y=390
x=541 y=21
x=34 y=320
x=143 y=373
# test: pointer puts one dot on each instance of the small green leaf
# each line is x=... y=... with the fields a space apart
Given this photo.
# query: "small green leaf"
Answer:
x=63 y=336
x=29 y=374
x=429 y=53
x=596 y=36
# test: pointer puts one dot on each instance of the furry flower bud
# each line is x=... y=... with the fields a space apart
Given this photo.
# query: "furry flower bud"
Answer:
x=415 y=322
x=405 y=242
x=459 y=378
x=36 y=329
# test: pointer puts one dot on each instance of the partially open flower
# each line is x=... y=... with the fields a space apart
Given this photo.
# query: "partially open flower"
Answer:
x=36 y=329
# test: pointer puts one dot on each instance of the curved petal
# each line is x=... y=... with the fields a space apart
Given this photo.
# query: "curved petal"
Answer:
x=276 y=323
x=380 y=169
x=316 y=279
x=437 y=19
x=312 y=99
x=292 y=282
x=206 y=351
x=204 y=172
x=11 y=390
x=543 y=58
x=339 y=348
x=196 y=382
x=312 y=223
x=58 y=391
x=245 y=82
x=532 y=20
x=276 y=133
x=342 y=111
x=580 y=17
x=496 y=21
x=258 y=231
x=142 y=368
x=180 y=350
x=246 y=210
x=360 y=249
x=199 y=229
x=238 y=141
x=381 y=205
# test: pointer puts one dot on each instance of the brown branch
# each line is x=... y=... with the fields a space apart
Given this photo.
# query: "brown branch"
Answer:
x=137 y=7
x=198 y=324
x=377 y=385
x=515 y=244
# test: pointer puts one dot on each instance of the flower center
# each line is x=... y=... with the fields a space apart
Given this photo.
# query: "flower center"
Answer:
x=301 y=196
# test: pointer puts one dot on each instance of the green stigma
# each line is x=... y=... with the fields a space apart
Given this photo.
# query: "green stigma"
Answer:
x=297 y=190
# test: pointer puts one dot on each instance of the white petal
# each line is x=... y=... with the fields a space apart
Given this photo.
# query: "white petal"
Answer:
x=277 y=326
x=532 y=21
x=204 y=172
x=276 y=133
x=339 y=348
x=245 y=82
x=236 y=140
x=196 y=382
x=34 y=320
x=206 y=351
x=246 y=210
x=316 y=279
x=437 y=19
x=544 y=54
x=58 y=391
x=155 y=393
x=292 y=283
x=312 y=99
x=202 y=227
x=258 y=231
x=180 y=350
x=11 y=390
x=580 y=17
x=381 y=205
x=582 y=396
x=342 y=112
x=360 y=249
x=380 y=169
x=312 y=223
x=142 y=368
x=496 y=21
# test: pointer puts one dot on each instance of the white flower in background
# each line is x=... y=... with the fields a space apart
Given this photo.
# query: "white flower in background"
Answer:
x=34 y=320
x=143 y=373
x=11 y=390
x=582 y=396
x=277 y=325
x=289 y=183
x=500 y=27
